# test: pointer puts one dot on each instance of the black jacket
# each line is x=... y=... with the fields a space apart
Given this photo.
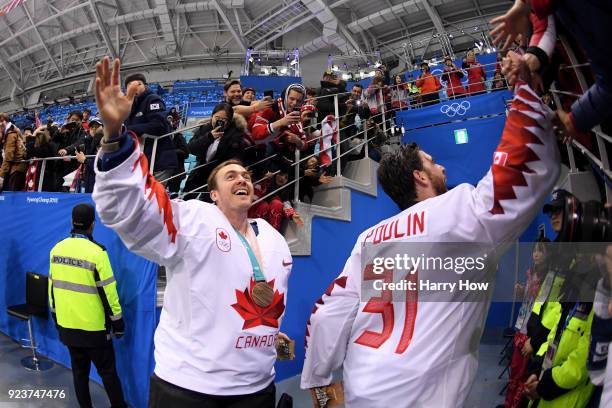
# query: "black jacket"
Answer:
x=231 y=146
x=47 y=150
x=325 y=103
x=148 y=117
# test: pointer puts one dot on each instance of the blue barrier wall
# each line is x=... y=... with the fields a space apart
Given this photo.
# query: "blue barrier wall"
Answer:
x=30 y=225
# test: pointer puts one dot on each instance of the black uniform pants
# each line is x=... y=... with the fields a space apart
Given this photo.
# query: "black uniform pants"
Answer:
x=104 y=360
x=162 y=394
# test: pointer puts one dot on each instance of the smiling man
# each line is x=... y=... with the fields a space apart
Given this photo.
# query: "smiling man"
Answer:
x=227 y=275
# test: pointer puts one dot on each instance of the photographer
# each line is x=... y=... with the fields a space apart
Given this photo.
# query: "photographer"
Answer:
x=40 y=145
x=280 y=127
x=215 y=142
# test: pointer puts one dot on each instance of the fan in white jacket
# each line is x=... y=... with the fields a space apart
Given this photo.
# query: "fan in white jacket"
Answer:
x=421 y=354
x=214 y=337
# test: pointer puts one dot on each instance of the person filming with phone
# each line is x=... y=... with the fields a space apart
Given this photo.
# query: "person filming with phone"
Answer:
x=214 y=142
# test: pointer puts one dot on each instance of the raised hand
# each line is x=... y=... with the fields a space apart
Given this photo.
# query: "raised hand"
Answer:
x=113 y=105
x=515 y=68
x=512 y=24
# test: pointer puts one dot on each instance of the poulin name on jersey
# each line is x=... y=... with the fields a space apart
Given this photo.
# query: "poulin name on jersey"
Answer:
x=413 y=225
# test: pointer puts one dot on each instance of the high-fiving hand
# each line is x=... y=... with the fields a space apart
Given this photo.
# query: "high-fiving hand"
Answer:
x=511 y=25
x=113 y=105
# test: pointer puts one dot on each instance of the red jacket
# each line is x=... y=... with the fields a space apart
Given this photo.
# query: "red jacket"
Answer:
x=476 y=76
x=259 y=126
x=454 y=85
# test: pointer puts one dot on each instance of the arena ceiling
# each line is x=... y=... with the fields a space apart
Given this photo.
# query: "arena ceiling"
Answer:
x=45 y=41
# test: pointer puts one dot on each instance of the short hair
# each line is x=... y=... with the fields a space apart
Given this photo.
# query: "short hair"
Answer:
x=248 y=89
x=76 y=112
x=230 y=83
x=358 y=85
x=87 y=110
x=135 y=77
x=4 y=117
x=395 y=174
x=212 y=178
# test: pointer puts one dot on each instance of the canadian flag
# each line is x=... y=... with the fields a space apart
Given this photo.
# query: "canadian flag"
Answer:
x=500 y=158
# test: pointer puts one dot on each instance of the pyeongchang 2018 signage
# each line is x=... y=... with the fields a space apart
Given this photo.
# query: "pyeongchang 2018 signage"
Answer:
x=199 y=110
x=455 y=109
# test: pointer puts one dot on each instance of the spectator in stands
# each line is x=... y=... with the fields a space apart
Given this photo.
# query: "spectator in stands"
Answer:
x=414 y=92
x=375 y=96
x=176 y=118
x=278 y=207
x=248 y=95
x=182 y=153
x=86 y=116
x=499 y=82
x=281 y=125
x=312 y=175
x=219 y=140
x=430 y=85
x=148 y=117
x=399 y=93
x=523 y=349
x=311 y=95
x=589 y=23
x=12 y=172
x=27 y=131
x=86 y=177
x=331 y=85
x=40 y=145
x=357 y=112
x=452 y=75
x=232 y=92
x=476 y=74
x=73 y=134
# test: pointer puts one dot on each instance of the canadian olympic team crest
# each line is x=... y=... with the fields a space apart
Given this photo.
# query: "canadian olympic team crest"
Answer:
x=455 y=108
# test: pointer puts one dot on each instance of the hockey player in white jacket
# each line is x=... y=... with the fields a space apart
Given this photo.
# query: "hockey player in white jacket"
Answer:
x=424 y=354
x=227 y=275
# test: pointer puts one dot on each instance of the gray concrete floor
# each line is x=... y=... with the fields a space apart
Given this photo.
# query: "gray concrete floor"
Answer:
x=14 y=377
x=484 y=393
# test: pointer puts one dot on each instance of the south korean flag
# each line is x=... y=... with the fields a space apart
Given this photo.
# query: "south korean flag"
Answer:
x=155 y=107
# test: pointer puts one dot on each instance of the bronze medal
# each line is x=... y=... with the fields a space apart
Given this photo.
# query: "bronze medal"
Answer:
x=263 y=294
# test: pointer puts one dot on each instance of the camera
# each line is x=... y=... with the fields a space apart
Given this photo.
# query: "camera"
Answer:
x=585 y=222
x=220 y=123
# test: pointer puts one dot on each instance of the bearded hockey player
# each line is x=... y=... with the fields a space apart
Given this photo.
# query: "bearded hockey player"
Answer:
x=422 y=354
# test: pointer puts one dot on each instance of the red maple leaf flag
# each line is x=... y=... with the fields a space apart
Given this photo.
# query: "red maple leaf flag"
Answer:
x=222 y=235
x=254 y=315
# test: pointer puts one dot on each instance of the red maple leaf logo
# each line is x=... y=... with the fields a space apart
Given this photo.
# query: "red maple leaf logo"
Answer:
x=513 y=143
x=254 y=315
x=222 y=235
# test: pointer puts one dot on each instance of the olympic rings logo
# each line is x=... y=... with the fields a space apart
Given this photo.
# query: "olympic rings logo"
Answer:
x=455 y=108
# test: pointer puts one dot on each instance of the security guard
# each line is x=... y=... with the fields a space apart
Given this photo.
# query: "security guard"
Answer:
x=85 y=306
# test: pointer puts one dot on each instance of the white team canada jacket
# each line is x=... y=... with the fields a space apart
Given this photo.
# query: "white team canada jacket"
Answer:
x=425 y=354
x=212 y=338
